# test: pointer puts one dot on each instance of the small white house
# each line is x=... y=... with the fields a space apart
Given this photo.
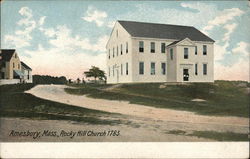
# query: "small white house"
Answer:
x=12 y=70
x=149 y=52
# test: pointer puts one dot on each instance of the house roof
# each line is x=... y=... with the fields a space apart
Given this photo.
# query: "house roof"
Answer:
x=176 y=42
x=6 y=54
x=163 y=31
x=173 y=43
x=25 y=66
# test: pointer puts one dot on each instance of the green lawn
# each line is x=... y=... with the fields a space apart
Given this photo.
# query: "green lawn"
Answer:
x=15 y=103
x=223 y=98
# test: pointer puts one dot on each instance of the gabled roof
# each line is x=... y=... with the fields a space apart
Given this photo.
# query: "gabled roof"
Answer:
x=163 y=31
x=173 y=43
x=176 y=42
x=6 y=54
x=25 y=66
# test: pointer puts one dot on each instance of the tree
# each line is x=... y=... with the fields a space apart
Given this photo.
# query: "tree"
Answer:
x=96 y=73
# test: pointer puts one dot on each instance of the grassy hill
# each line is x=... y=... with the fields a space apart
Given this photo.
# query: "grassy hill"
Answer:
x=222 y=98
x=15 y=103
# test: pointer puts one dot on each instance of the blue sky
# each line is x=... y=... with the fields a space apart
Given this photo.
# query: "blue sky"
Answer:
x=66 y=38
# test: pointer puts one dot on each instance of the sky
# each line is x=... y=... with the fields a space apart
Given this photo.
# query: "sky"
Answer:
x=62 y=38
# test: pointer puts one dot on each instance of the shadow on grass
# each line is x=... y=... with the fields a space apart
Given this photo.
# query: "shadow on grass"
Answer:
x=15 y=103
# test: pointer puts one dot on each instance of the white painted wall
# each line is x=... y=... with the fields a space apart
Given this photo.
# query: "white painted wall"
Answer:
x=176 y=66
x=171 y=65
x=174 y=70
x=113 y=42
x=147 y=57
x=27 y=76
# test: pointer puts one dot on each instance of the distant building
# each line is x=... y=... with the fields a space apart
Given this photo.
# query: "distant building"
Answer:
x=12 y=70
x=150 y=52
x=26 y=70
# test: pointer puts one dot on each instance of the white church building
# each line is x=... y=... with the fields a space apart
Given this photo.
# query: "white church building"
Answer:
x=149 y=52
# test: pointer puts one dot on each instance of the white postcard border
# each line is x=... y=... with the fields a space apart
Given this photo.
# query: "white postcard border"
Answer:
x=125 y=150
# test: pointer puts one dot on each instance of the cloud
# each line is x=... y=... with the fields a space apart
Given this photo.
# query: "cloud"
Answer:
x=229 y=28
x=196 y=6
x=49 y=32
x=221 y=49
x=41 y=20
x=224 y=20
x=63 y=62
x=25 y=11
x=170 y=15
x=16 y=41
x=237 y=71
x=240 y=69
x=61 y=37
x=68 y=54
x=94 y=15
x=224 y=16
x=242 y=48
x=111 y=24
x=21 y=37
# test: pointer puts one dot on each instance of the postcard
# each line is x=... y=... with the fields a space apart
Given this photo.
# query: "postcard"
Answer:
x=157 y=73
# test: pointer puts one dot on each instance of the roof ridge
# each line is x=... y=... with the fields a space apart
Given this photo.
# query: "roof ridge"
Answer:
x=155 y=23
x=163 y=31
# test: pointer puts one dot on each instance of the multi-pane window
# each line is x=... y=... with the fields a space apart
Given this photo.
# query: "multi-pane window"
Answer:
x=204 y=69
x=109 y=71
x=126 y=47
x=121 y=49
x=18 y=66
x=152 y=47
x=116 y=33
x=185 y=53
x=13 y=65
x=109 y=53
x=141 y=68
x=113 y=70
x=152 y=70
x=196 y=51
x=196 y=69
x=126 y=68
x=163 y=68
x=117 y=51
x=163 y=47
x=204 y=49
x=141 y=46
x=171 y=53
x=113 y=52
x=121 y=70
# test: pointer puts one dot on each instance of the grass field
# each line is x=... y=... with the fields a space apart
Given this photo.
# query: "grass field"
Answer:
x=222 y=98
x=15 y=103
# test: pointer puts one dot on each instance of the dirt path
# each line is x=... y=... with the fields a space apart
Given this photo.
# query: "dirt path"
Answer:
x=57 y=93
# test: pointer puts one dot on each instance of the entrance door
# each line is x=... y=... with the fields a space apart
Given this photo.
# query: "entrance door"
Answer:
x=185 y=75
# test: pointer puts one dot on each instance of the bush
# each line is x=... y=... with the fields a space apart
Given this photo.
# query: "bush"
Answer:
x=38 y=79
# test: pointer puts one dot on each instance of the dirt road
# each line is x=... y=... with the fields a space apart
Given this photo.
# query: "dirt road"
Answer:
x=145 y=123
x=57 y=93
